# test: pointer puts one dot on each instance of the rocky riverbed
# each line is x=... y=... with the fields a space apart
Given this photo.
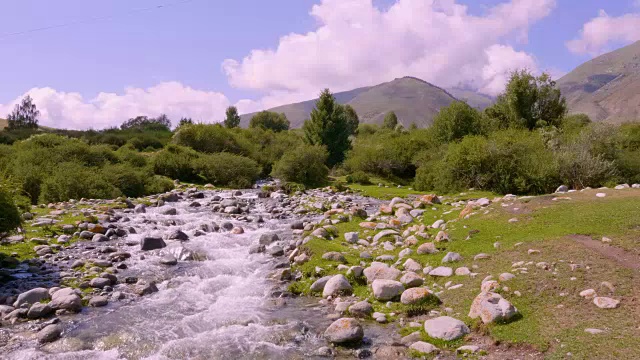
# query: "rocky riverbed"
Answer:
x=211 y=274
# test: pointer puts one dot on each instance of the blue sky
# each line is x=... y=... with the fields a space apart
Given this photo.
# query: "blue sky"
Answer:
x=187 y=43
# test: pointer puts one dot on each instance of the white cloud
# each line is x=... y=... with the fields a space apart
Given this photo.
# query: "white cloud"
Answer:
x=357 y=44
x=71 y=110
x=600 y=32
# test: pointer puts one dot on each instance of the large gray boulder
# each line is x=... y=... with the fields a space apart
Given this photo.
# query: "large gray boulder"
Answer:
x=386 y=289
x=66 y=299
x=418 y=295
x=49 y=333
x=361 y=309
x=337 y=285
x=344 y=330
x=319 y=284
x=32 y=296
x=268 y=238
x=445 y=328
x=380 y=271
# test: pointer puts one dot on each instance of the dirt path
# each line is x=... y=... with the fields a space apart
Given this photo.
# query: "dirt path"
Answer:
x=620 y=256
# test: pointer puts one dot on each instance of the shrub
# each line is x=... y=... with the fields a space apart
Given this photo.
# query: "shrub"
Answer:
x=305 y=165
x=176 y=162
x=226 y=169
x=359 y=177
x=73 y=181
x=130 y=181
x=212 y=139
x=456 y=121
x=9 y=215
x=157 y=184
x=269 y=120
x=579 y=168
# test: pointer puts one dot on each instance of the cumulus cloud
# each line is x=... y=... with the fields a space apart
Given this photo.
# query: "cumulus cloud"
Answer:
x=71 y=110
x=600 y=32
x=357 y=44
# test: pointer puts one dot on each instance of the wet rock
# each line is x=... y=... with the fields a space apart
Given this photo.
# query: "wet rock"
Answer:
x=140 y=209
x=237 y=230
x=337 y=285
x=257 y=248
x=177 y=235
x=268 y=239
x=98 y=301
x=66 y=299
x=491 y=307
x=169 y=260
x=39 y=310
x=344 y=330
x=32 y=296
x=49 y=333
x=445 y=328
x=276 y=251
x=152 y=243
x=144 y=287
x=169 y=211
x=386 y=289
x=99 y=282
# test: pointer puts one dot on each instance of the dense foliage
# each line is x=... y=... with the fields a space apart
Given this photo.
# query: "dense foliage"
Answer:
x=9 y=214
x=24 y=116
x=525 y=143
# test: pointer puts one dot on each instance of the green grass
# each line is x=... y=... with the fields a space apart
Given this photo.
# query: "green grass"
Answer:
x=545 y=225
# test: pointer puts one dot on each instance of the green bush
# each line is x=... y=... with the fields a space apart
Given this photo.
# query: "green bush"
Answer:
x=305 y=165
x=129 y=180
x=226 y=169
x=176 y=162
x=9 y=215
x=212 y=139
x=73 y=181
x=359 y=177
x=157 y=184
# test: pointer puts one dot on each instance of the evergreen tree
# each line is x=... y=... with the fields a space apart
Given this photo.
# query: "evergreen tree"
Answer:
x=329 y=126
x=352 y=118
x=390 y=120
x=232 y=119
x=24 y=115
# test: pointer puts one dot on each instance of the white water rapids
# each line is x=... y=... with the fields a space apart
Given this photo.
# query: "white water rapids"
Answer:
x=219 y=308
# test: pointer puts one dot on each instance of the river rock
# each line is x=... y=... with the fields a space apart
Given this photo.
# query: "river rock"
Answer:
x=386 y=289
x=66 y=299
x=169 y=260
x=361 y=309
x=177 y=235
x=144 y=287
x=268 y=238
x=411 y=279
x=344 y=330
x=445 y=328
x=380 y=271
x=319 y=284
x=39 y=310
x=152 y=243
x=98 y=301
x=49 y=333
x=423 y=347
x=441 y=271
x=337 y=285
x=32 y=296
x=140 y=209
x=169 y=211
x=99 y=238
x=99 y=282
x=418 y=295
x=491 y=307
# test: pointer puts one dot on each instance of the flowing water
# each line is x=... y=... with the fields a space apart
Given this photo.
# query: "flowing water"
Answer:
x=220 y=308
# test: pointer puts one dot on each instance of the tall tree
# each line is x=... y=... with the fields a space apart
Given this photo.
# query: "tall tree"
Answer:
x=352 y=119
x=232 y=119
x=24 y=115
x=328 y=126
x=390 y=120
x=270 y=120
x=456 y=121
x=161 y=123
x=529 y=101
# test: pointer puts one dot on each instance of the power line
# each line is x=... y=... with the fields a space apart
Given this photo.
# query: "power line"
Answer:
x=97 y=18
